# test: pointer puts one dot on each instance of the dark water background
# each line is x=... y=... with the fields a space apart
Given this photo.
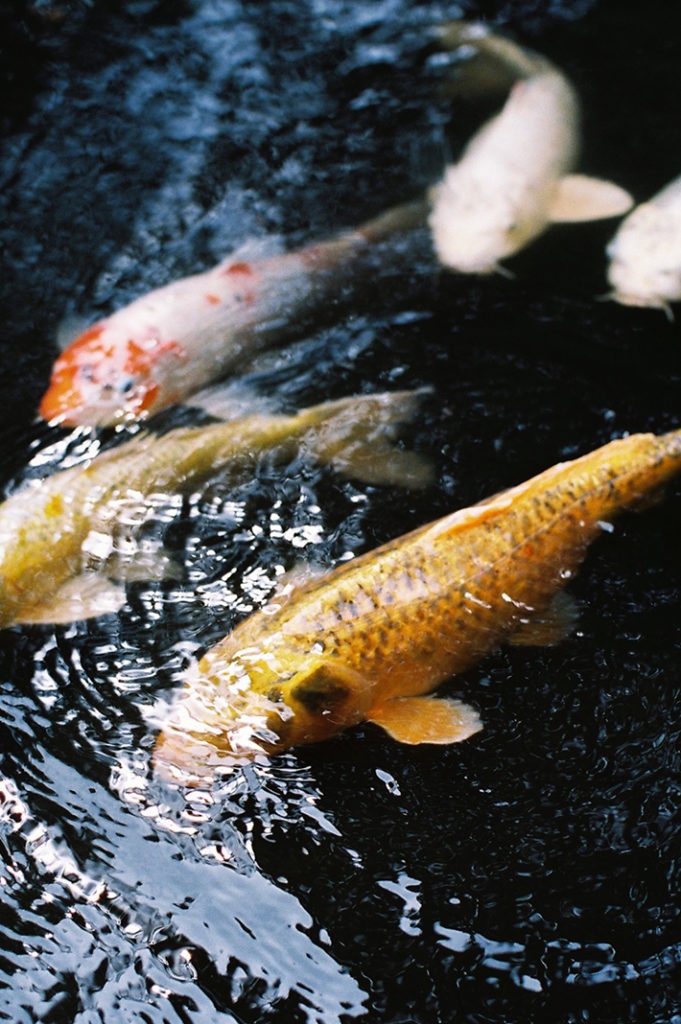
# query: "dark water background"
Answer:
x=529 y=874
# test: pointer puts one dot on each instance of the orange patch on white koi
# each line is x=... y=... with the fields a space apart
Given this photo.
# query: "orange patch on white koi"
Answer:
x=247 y=279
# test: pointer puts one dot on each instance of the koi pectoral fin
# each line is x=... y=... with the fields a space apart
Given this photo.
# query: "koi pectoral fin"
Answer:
x=549 y=627
x=426 y=719
x=231 y=400
x=144 y=563
x=82 y=597
x=581 y=198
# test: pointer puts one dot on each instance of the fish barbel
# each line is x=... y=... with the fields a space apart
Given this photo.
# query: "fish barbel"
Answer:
x=514 y=177
x=65 y=538
x=175 y=340
x=370 y=640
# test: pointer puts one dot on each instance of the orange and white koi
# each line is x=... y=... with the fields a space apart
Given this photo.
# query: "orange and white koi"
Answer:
x=172 y=342
x=374 y=637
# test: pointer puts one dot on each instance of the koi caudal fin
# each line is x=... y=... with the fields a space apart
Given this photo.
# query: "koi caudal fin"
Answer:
x=356 y=436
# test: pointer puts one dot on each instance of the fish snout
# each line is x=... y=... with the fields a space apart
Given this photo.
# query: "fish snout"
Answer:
x=81 y=394
x=62 y=400
x=208 y=733
x=472 y=251
x=642 y=301
x=190 y=759
x=110 y=375
x=642 y=286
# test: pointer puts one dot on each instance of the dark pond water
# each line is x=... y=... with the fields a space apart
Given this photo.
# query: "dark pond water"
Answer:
x=529 y=874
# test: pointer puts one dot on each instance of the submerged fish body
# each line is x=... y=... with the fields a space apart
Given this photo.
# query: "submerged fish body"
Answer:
x=514 y=178
x=175 y=340
x=373 y=638
x=645 y=253
x=62 y=539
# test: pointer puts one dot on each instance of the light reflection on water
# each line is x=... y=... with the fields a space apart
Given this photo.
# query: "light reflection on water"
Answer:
x=151 y=883
x=533 y=871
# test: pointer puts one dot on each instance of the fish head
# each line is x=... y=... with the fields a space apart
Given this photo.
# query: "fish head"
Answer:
x=107 y=376
x=644 y=266
x=472 y=234
x=254 y=705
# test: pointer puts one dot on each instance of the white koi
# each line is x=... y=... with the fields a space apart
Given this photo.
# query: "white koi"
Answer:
x=645 y=253
x=513 y=178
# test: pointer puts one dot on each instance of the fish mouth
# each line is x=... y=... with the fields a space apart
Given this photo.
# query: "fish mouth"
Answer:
x=203 y=741
x=641 y=301
x=61 y=398
x=191 y=760
x=464 y=263
x=65 y=402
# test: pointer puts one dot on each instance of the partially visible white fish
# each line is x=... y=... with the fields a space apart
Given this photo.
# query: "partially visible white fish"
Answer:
x=513 y=179
x=645 y=253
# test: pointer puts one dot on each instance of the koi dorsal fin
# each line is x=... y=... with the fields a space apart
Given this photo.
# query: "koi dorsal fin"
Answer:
x=475 y=515
x=489 y=508
x=356 y=436
x=426 y=719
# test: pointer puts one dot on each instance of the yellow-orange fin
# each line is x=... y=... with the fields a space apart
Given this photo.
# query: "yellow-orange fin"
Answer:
x=581 y=198
x=426 y=719
x=551 y=626
x=82 y=597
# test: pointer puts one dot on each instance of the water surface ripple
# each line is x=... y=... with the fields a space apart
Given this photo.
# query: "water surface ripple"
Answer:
x=531 y=873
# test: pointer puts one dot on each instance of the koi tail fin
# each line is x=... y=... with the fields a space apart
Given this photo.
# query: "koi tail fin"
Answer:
x=397 y=220
x=356 y=435
x=486 y=63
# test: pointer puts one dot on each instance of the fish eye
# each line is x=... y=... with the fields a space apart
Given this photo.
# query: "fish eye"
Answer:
x=126 y=385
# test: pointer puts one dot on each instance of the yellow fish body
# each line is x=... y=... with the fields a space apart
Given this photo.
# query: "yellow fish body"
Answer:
x=371 y=639
x=61 y=539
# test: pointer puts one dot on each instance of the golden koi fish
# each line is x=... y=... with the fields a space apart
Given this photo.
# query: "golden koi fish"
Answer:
x=514 y=177
x=372 y=639
x=177 y=339
x=63 y=538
